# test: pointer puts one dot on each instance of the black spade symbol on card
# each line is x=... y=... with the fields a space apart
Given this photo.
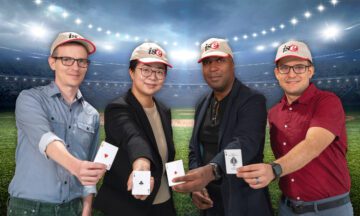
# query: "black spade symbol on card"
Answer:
x=233 y=161
x=141 y=183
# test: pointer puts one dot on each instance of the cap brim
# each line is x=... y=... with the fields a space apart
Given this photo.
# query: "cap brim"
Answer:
x=300 y=57
x=213 y=54
x=153 y=60
x=91 y=48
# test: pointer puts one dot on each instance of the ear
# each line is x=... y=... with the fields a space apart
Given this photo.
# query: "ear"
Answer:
x=276 y=73
x=311 y=71
x=51 y=62
x=132 y=74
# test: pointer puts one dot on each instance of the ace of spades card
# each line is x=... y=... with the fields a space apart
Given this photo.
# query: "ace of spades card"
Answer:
x=141 y=183
x=106 y=154
x=233 y=160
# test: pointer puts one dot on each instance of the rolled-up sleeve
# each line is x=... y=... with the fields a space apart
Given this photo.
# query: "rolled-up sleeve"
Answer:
x=32 y=120
x=89 y=190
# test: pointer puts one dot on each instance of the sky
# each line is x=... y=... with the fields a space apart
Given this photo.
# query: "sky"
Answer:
x=254 y=28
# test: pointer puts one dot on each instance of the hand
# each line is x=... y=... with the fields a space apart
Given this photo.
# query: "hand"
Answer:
x=89 y=173
x=256 y=175
x=194 y=180
x=201 y=199
x=140 y=164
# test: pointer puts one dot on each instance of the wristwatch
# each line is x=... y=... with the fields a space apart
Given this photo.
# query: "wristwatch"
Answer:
x=216 y=170
x=277 y=170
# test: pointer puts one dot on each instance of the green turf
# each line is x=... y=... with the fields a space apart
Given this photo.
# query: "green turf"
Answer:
x=181 y=138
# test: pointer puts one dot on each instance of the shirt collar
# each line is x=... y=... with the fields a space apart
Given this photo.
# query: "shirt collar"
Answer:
x=305 y=97
x=53 y=90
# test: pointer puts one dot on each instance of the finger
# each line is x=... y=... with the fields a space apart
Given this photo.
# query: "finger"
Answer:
x=152 y=181
x=187 y=177
x=96 y=165
x=250 y=174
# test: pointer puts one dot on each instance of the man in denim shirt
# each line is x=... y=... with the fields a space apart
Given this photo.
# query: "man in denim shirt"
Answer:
x=57 y=138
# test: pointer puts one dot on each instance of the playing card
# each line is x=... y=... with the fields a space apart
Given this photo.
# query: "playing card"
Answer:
x=174 y=169
x=141 y=183
x=106 y=154
x=233 y=160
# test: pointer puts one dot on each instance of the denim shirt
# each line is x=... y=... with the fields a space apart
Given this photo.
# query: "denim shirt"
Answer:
x=43 y=116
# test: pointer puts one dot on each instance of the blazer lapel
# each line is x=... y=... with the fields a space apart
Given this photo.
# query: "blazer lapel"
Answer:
x=201 y=114
x=227 y=114
x=166 y=123
x=142 y=117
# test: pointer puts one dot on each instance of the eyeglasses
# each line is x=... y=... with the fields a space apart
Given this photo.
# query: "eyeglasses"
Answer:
x=148 y=71
x=298 y=69
x=68 y=61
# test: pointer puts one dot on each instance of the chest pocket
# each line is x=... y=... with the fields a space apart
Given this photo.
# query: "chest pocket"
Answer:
x=86 y=132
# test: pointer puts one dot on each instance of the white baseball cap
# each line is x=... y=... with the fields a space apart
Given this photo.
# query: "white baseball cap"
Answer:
x=150 y=53
x=215 y=47
x=293 y=48
x=67 y=37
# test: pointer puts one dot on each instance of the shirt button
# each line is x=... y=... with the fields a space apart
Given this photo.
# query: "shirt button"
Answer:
x=69 y=126
x=284 y=143
x=290 y=108
x=68 y=146
x=292 y=180
x=25 y=212
x=63 y=201
x=298 y=198
x=285 y=126
x=65 y=182
x=70 y=110
x=33 y=211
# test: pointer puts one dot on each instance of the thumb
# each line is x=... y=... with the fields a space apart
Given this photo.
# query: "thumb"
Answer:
x=129 y=182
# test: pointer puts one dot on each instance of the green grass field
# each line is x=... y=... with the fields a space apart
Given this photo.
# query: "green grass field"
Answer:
x=181 y=138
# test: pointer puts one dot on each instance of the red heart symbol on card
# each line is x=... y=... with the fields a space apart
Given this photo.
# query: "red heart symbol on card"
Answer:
x=106 y=155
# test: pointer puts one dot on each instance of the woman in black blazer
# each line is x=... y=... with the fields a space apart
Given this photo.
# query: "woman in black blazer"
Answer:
x=141 y=127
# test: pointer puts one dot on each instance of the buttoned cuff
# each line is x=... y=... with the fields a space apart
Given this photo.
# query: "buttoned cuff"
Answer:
x=89 y=190
x=45 y=140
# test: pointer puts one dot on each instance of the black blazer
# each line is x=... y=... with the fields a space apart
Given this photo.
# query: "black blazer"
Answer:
x=127 y=127
x=242 y=127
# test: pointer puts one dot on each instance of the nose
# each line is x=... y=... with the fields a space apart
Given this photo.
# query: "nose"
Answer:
x=292 y=72
x=213 y=66
x=75 y=66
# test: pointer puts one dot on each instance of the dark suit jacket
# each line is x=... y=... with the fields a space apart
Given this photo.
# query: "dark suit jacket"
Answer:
x=242 y=127
x=127 y=127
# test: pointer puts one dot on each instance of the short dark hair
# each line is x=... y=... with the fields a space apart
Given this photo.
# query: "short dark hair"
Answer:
x=134 y=63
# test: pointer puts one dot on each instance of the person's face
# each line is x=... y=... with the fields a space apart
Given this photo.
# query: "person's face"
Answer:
x=294 y=84
x=68 y=76
x=148 y=78
x=218 y=72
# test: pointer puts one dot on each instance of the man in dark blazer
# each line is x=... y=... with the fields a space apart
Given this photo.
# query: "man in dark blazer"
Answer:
x=232 y=116
x=128 y=126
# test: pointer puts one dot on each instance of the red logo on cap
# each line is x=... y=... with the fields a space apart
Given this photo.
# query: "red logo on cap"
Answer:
x=158 y=53
x=291 y=48
x=155 y=52
x=214 y=45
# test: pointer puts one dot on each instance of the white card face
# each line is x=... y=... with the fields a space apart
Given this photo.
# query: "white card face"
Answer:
x=141 y=183
x=106 y=154
x=174 y=169
x=233 y=160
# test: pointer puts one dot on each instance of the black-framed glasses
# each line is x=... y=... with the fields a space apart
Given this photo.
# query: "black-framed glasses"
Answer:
x=298 y=69
x=69 y=61
x=148 y=71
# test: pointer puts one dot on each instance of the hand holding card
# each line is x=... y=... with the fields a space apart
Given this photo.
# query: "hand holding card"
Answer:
x=140 y=183
x=174 y=169
x=233 y=160
x=106 y=154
